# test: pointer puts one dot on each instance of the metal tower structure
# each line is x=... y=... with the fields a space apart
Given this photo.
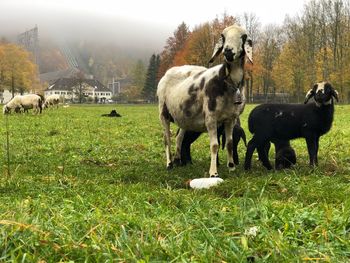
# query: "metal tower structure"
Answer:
x=30 y=41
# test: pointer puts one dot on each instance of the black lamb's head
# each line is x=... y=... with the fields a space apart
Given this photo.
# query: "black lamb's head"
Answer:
x=323 y=93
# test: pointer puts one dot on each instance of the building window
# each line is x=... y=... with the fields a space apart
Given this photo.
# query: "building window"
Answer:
x=57 y=92
x=63 y=93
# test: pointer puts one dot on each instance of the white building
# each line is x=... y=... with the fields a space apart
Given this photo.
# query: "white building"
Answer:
x=6 y=95
x=71 y=88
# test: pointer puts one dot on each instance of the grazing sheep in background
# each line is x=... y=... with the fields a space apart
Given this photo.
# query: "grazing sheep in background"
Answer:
x=24 y=102
x=200 y=99
x=272 y=122
x=191 y=136
x=113 y=113
x=52 y=100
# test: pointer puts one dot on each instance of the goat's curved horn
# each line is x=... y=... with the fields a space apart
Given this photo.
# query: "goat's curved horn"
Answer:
x=218 y=48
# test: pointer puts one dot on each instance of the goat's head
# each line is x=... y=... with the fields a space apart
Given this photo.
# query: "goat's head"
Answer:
x=323 y=93
x=234 y=43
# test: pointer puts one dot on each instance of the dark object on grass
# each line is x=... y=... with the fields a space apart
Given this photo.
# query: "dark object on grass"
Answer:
x=113 y=113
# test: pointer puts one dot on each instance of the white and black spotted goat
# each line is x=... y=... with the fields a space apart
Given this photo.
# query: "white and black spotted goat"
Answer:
x=199 y=99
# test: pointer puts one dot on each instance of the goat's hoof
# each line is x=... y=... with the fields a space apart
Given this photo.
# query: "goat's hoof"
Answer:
x=169 y=166
x=247 y=167
x=231 y=167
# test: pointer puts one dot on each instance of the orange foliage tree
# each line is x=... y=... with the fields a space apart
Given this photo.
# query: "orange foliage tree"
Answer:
x=18 y=72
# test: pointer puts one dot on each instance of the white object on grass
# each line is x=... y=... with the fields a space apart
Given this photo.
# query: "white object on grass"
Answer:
x=252 y=231
x=205 y=183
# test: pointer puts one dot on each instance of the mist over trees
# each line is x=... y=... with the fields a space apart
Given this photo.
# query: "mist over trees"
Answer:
x=289 y=58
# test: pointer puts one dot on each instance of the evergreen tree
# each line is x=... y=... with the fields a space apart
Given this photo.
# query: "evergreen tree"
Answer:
x=150 y=87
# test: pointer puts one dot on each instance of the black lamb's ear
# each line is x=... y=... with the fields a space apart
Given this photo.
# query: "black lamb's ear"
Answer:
x=309 y=95
x=335 y=94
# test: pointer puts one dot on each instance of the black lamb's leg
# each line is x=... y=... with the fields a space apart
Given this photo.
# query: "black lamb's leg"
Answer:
x=316 y=152
x=189 y=138
x=263 y=153
x=235 y=152
x=248 y=156
x=312 y=149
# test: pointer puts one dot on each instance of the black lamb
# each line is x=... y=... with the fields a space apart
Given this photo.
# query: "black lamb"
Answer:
x=273 y=122
x=190 y=137
x=113 y=113
x=285 y=155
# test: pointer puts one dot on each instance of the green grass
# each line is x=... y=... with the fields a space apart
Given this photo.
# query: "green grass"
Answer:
x=89 y=189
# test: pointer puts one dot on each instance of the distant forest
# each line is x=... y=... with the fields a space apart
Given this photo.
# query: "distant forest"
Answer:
x=289 y=59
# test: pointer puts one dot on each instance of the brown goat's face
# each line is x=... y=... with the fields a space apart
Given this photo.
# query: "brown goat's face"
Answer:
x=323 y=93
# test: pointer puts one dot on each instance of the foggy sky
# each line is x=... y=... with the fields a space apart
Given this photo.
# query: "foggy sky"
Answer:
x=128 y=23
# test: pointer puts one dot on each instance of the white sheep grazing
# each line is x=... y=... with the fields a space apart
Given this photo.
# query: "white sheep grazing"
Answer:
x=52 y=100
x=200 y=99
x=24 y=102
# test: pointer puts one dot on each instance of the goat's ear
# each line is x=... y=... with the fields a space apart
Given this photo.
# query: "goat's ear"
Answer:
x=218 y=48
x=248 y=47
x=335 y=94
x=309 y=95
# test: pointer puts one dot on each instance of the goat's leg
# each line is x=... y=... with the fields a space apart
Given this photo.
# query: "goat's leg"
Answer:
x=167 y=141
x=179 y=139
x=214 y=146
x=311 y=147
x=250 y=150
x=229 y=144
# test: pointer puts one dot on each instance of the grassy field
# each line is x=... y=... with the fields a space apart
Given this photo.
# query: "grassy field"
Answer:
x=89 y=189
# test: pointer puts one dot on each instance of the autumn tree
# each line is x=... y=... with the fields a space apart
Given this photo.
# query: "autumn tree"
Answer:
x=269 y=48
x=18 y=73
x=198 y=48
x=317 y=47
x=174 y=44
